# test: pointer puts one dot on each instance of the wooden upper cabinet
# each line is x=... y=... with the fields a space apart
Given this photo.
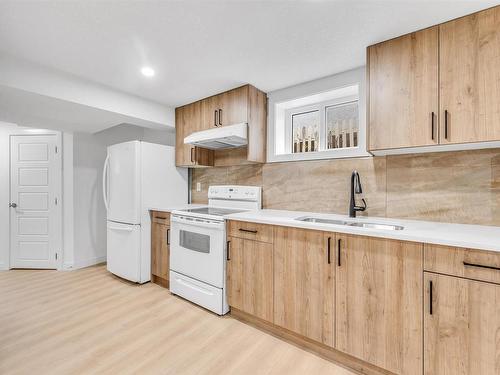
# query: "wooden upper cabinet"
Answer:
x=304 y=282
x=470 y=78
x=243 y=104
x=379 y=295
x=250 y=277
x=403 y=91
x=463 y=328
x=210 y=112
x=228 y=108
x=187 y=121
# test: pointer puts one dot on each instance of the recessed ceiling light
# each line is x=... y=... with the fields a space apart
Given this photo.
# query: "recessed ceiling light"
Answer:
x=147 y=71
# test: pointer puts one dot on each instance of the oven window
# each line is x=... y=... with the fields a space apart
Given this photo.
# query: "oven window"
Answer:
x=195 y=241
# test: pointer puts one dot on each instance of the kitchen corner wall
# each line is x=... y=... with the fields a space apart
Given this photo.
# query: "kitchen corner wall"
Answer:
x=456 y=187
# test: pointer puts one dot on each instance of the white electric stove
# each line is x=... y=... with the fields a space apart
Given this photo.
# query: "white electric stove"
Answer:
x=198 y=245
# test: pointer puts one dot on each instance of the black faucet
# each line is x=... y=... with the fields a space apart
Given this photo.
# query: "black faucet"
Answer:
x=355 y=189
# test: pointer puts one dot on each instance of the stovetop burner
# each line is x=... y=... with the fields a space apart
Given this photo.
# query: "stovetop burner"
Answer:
x=215 y=211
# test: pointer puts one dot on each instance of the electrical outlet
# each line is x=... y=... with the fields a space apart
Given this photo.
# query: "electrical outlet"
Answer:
x=198 y=186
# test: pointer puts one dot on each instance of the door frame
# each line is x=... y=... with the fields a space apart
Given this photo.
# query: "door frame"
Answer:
x=59 y=187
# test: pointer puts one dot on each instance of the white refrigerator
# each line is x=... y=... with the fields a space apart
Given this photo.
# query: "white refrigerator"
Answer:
x=138 y=176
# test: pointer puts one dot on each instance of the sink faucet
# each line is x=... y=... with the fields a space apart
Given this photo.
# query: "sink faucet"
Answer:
x=355 y=189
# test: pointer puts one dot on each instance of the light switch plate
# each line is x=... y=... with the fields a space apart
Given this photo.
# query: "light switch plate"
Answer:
x=198 y=186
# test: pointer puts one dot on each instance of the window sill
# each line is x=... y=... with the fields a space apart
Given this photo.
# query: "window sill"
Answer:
x=321 y=155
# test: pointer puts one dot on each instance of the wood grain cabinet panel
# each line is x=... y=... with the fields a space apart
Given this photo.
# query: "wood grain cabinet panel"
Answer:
x=403 y=91
x=187 y=121
x=473 y=264
x=462 y=326
x=250 y=231
x=304 y=283
x=469 y=78
x=379 y=295
x=250 y=277
x=160 y=247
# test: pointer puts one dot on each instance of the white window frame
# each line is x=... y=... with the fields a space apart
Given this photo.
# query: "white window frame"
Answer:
x=280 y=116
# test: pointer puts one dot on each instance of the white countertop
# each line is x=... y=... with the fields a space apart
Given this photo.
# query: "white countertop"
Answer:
x=175 y=208
x=460 y=235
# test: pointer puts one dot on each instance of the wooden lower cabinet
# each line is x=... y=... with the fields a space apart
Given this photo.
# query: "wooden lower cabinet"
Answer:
x=160 y=247
x=250 y=277
x=462 y=326
x=304 y=282
x=379 y=295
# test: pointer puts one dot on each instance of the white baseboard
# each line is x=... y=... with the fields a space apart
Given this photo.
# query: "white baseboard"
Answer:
x=83 y=263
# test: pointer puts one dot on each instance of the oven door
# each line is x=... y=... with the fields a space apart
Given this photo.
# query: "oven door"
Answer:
x=197 y=249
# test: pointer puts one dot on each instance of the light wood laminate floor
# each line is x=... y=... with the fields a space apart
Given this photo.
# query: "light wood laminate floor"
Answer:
x=88 y=321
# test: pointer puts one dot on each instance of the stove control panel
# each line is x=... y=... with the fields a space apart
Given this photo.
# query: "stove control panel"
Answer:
x=230 y=192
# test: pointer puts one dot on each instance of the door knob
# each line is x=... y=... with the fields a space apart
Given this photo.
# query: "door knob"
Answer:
x=13 y=205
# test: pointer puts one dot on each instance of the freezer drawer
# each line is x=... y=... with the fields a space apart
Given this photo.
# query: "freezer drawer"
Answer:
x=202 y=294
x=124 y=246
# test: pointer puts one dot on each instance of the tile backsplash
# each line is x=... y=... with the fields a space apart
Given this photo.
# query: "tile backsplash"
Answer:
x=459 y=187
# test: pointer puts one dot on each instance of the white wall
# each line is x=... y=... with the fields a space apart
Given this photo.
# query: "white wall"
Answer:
x=89 y=152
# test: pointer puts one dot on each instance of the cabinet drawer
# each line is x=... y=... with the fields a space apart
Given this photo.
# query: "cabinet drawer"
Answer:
x=250 y=231
x=161 y=217
x=468 y=263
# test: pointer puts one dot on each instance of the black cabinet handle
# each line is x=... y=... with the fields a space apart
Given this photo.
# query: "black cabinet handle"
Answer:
x=228 y=247
x=168 y=236
x=220 y=117
x=329 y=249
x=432 y=126
x=339 y=244
x=247 y=231
x=445 y=124
x=481 y=266
x=430 y=297
x=192 y=159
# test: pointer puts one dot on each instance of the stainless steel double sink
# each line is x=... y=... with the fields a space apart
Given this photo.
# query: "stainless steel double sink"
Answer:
x=361 y=224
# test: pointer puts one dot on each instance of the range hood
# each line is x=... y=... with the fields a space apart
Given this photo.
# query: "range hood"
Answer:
x=231 y=136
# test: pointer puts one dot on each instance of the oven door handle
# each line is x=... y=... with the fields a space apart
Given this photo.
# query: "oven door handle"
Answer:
x=198 y=223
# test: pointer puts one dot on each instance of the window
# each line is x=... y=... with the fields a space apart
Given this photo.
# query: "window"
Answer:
x=328 y=124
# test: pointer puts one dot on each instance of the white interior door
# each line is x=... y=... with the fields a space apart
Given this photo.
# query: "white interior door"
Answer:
x=35 y=200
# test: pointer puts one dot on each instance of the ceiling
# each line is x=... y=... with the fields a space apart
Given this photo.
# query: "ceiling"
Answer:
x=199 y=48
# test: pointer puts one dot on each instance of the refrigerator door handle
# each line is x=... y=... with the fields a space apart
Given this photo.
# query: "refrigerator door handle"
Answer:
x=124 y=229
x=104 y=180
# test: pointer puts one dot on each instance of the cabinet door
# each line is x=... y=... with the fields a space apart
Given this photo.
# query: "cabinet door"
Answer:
x=462 y=334
x=160 y=248
x=187 y=121
x=210 y=112
x=304 y=282
x=403 y=91
x=379 y=295
x=234 y=106
x=469 y=78
x=250 y=277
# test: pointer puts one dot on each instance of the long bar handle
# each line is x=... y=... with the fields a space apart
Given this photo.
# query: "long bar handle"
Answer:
x=445 y=124
x=227 y=253
x=467 y=264
x=248 y=231
x=432 y=126
x=168 y=236
x=430 y=297
x=329 y=249
x=104 y=182
x=339 y=245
